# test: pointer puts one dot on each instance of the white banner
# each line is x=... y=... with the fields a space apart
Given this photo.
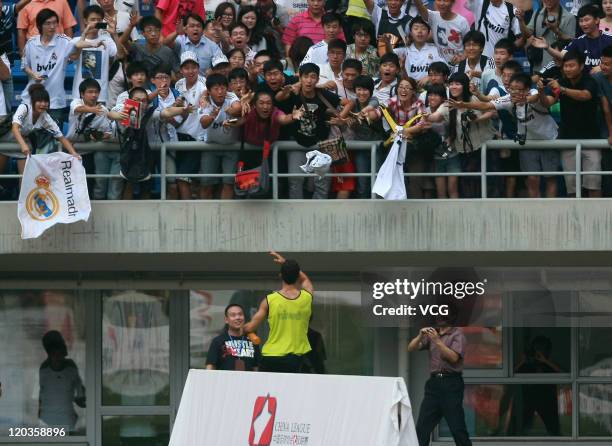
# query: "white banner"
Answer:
x=53 y=190
x=227 y=408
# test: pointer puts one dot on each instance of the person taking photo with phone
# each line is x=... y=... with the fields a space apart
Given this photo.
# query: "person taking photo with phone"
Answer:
x=444 y=389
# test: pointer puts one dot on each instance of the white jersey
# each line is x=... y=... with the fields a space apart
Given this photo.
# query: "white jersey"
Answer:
x=496 y=24
x=166 y=131
x=326 y=74
x=478 y=68
x=23 y=117
x=418 y=60
x=192 y=126
x=448 y=34
x=383 y=94
x=316 y=54
x=5 y=103
x=534 y=120
x=77 y=120
x=51 y=61
x=216 y=132
x=94 y=64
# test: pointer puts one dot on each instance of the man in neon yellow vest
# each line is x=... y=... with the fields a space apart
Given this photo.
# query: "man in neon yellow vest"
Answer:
x=288 y=311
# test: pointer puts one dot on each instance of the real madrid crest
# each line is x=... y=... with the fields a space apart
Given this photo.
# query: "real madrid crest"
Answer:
x=41 y=203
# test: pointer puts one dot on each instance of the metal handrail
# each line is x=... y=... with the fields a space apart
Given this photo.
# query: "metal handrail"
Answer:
x=484 y=174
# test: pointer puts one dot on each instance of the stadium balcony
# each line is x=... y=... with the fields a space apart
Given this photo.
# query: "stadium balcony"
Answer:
x=203 y=237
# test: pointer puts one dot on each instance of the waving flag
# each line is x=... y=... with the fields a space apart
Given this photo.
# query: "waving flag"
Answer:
x=53 y=190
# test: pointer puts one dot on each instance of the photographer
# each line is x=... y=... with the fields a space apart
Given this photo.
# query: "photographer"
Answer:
x=87 y=123
x=444 y=389
x=551 y=23
x=534 y=122
x=468 y=130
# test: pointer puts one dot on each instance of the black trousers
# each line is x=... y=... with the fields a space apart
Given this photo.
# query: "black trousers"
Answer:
x=443 y=398
x=281 y=364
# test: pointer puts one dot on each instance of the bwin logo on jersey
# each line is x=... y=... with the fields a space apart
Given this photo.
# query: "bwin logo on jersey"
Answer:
x=419 y=69
x=42 y=68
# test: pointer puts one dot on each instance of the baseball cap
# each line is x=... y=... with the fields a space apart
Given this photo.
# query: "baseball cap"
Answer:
x=189 y=56
x=219 y=59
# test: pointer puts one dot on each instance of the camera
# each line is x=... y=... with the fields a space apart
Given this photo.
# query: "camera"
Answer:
x=469 y=115
x=444 y=151
x=520 y=138
x=101 y=25
x=551 y=19
x=93 y=135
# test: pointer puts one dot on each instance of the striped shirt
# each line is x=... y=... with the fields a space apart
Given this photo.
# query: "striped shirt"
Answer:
x=304 y=24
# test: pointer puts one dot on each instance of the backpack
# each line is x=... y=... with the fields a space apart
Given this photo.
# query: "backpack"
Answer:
x=484 y=60
x=483 y=17
x=135 y=152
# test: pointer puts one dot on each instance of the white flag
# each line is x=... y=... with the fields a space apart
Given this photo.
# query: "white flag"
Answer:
x=390 y=183
x=53 y=190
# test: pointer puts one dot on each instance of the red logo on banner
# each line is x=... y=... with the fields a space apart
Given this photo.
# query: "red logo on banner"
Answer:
x=262 y=424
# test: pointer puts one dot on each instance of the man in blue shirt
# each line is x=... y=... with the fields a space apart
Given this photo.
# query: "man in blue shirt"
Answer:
x=193 y=39
x=591 y=43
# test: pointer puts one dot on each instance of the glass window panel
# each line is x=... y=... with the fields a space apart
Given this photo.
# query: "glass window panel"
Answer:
x=595 y=416
x=484 y=349
x=542 y=350
x=136 y=348
x=40 y=388
x=140 y=430
x=511 y=410
x=595 y=354
x=347 y=345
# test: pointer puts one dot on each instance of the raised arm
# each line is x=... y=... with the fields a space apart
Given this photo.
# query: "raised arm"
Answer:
x=423 y=11
x=303 y=279
x=258 y=317
x=415 y=344
x=481 y=106
x=370 y=5
x=22 y=4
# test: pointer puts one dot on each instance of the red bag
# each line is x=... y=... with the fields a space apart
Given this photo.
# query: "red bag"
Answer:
x=253 y=183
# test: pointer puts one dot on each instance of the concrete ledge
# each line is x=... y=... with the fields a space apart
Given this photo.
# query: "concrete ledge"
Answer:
x=440 y=226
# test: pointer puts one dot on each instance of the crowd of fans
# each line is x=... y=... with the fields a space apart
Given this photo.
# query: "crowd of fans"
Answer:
x=468 y=71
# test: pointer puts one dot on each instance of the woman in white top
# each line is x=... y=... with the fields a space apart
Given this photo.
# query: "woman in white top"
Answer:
x=467 y=131
x=249 y=16
x=31 y=120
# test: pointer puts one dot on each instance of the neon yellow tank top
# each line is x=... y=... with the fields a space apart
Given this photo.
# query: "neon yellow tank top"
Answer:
x=357 y=8
x=288 y=319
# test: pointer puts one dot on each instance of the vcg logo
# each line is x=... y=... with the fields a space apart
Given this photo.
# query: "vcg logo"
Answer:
x=262 y=424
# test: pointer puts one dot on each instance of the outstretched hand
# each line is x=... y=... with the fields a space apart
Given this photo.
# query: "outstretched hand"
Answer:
x=277 y=257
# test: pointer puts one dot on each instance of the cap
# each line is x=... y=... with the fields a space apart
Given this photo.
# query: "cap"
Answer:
x=189 y=56
x=219 y=59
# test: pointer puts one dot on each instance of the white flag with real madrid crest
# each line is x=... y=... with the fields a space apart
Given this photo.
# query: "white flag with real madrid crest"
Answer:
x=53 y=190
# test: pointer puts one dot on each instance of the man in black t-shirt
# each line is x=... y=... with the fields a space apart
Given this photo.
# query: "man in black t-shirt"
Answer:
x=320 y=110
x=579 y=97
x=274 y=81
x=231 y=350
